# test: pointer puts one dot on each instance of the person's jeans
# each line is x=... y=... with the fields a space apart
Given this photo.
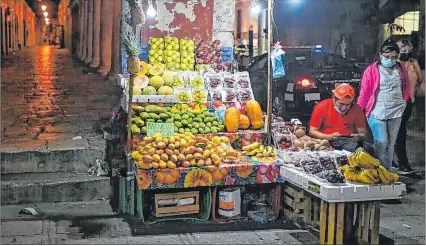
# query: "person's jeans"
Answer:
x=384 y=133
x=401 y=140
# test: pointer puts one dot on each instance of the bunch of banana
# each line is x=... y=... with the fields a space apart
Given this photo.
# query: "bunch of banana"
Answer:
x=360 y=158
x=378 y=175
x=258 y=150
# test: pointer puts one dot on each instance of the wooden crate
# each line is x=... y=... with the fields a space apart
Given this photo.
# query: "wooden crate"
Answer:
x=177 y=210
x=337 y=223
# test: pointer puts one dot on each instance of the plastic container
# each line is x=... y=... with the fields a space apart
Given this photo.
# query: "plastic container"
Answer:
x=213 y=80
x=216 y=95
x=178 y=80
x=195 y=80
x=199 y=95
x=229 y=81
x=183 y=95
x=230 y=95
x=245 y=95
x=243 y=79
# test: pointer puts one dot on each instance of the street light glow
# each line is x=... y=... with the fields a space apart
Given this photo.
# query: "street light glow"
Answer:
x=255 y=8
x=45 y=14
x=295 y=1
x=151 y=12
x=46 y=19
x=43 y=7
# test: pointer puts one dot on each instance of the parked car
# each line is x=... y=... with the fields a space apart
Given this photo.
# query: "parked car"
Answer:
x=311 y=74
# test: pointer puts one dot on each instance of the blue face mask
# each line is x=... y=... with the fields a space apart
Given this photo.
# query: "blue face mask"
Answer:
x=387 y=62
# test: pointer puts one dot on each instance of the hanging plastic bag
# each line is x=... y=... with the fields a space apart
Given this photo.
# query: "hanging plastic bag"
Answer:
x=277 y=57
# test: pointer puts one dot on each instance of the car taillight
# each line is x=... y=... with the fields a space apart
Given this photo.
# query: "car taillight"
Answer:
x=305 y=83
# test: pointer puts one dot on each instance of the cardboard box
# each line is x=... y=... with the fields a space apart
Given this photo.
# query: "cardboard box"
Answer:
x=230 y=202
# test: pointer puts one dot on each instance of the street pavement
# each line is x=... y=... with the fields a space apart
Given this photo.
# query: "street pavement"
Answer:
x=46 y=96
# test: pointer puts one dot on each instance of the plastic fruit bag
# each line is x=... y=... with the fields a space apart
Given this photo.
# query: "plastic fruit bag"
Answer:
x=277 y=57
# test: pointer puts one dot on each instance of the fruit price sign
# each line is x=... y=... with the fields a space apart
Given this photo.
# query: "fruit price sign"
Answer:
x=164 y=129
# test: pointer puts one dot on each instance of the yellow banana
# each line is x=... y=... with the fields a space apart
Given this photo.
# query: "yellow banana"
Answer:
x=253 y=152
x=261 y=148
x=395 y=177
x=387 y=174
x=251 y=146
x=269 y=150
x=370 y=176
x=375 y=174
x=382 y=176
x=259 y=155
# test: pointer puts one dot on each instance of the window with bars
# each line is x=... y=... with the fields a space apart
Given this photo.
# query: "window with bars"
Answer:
x=410 y=22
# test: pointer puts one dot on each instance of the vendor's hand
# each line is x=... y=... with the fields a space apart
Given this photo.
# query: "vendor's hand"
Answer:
x=334 y=135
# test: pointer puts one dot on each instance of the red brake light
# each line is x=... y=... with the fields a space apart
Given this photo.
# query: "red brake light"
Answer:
x=305 y=83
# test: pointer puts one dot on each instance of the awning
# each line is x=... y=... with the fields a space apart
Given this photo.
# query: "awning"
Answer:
x=394 y=8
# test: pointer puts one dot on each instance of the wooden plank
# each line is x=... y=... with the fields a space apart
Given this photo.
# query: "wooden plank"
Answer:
x=323 y=221
x=331 y=228
x=289 y=201
x=293 y=193
x=366 y=221
x=307 y=209
x=349 y=221
x=375 y=217
x=340 y=222
x=316 y=209
x=359 y=212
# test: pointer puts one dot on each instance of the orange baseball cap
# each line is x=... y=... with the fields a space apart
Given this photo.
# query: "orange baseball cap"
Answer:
x=344 y=92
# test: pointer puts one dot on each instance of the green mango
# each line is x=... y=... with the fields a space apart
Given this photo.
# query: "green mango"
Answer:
x=167 y=109
x=177 y=117
x=170 y=120
x=144 y=115
x=207 y=130
x=185 y=116
x=153 y=109
x=135 y=129
x=201 y=130
x=214 y=129
x=194 y=131
x=202 y=125
x=181 y=130
x=178 y=124
x=154 y=116
x=187 y=130
x=215 y=123
x=190 y=125
x=191 y=115
x=184 y=122
x=163 y=116
x=143 y=130
x=150 y=120
x=196 y=125
x=208 y=119
x=209 y=124
x=197 y=119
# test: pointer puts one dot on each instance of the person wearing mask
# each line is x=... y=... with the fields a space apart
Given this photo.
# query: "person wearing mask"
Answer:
x=383 y=97
x=414 y=79
x=337 y=116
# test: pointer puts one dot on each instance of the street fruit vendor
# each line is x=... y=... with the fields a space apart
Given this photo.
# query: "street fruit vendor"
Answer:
x=338 y=116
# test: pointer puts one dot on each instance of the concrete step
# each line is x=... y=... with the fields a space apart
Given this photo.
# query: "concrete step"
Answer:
x=52 y=187
x=42 y=156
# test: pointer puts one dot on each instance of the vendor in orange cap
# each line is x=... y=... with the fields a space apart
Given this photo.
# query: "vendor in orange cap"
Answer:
x=338 y=116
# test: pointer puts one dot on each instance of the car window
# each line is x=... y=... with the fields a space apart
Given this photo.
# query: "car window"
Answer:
x=327 y=60
x=297 y=60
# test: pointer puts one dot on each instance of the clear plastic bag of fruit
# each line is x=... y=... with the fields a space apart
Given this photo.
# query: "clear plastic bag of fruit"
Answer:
x=245 y=95
x=199 y=95
x=229 y=81
x=180 y=80
x=282 y=141
x=230 y=95
x=243 y=79
x=216 y=95
x=213 y=80
x=195 y=80
x=183 y=95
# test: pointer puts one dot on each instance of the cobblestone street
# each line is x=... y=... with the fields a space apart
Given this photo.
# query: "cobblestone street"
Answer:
x=47 y=96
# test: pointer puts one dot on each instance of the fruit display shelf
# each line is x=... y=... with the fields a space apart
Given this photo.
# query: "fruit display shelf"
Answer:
x=146 y=99
x=347 y=192
x=248 y=171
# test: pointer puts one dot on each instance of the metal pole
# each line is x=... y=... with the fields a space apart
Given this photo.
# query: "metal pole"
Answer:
x=269 y=85
x=130 y=175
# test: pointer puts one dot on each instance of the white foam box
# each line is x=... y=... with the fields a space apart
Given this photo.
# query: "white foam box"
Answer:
x=147 y=99
x=230 y=202
x=346 y=192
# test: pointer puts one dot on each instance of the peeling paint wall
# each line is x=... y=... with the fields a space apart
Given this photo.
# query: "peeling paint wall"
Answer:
x=181 y=19
x=223 y=21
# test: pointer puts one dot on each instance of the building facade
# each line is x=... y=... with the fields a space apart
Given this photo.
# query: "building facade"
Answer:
x=18 y=26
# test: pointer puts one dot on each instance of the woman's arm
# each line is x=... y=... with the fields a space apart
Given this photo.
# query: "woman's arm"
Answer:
x=364 y=93
x=412 y=80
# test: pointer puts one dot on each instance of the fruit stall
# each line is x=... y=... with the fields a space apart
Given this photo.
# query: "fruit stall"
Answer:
x=197 y=138
x=198 y=142
x=336 y=191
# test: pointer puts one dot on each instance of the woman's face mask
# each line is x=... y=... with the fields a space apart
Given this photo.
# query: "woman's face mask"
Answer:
x=387 y=61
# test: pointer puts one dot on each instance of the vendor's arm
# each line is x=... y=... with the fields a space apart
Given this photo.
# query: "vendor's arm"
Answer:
x=315 y=133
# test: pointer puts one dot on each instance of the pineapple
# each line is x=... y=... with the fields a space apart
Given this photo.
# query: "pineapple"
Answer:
x=130 y=44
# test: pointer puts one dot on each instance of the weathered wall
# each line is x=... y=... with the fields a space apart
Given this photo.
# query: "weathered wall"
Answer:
x=180 y=19
x=196 y=19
